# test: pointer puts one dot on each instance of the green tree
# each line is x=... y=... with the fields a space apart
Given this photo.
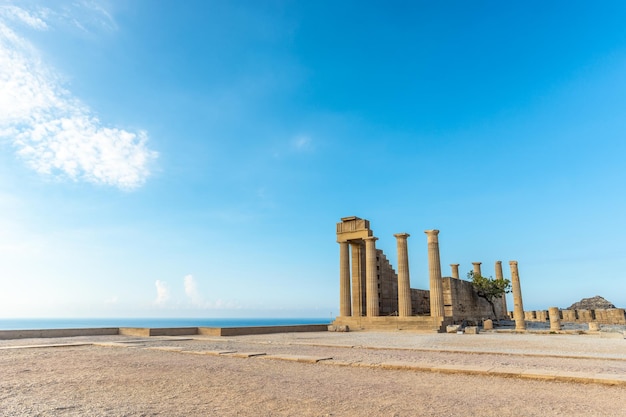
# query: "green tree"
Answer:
x=490 y=289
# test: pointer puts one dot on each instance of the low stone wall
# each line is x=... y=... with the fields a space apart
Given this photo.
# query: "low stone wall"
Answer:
x=221 y=331
x=163 y=331
x=602 y=316
x=160 y=331
x=47 y=333
x=611 y=316
x=542 y=315
x=241 y=331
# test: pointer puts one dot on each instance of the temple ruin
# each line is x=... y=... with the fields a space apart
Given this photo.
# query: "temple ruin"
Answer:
x=372 y=295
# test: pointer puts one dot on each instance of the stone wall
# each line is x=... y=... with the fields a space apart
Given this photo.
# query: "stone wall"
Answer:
x=420 y=302
x=388 y=290
x=602 y=316
x=27 y=334
x=610 y=316
x=387 y=285
x=462 y=303
x=162 y=331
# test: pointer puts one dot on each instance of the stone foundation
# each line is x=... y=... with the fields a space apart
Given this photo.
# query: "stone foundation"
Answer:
x=414 y=323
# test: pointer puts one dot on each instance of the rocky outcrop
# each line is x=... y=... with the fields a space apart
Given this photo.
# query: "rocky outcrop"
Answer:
x=593 y=303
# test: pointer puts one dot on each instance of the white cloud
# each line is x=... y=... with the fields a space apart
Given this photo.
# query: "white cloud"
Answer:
x=191 y=290
x=198 y=301
x=51 y=130
x=163 y=292
x=31 y=19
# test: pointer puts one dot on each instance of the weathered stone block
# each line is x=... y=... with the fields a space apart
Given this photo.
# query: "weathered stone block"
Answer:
x=471 y=330
x=488 y=324
x=585 y=316
x=569 y=316
x=453 y=328
x=342 y=328
x=542 y=315
x=593 y=326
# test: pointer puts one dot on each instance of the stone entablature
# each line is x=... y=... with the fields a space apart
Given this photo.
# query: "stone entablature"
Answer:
x=352 y=228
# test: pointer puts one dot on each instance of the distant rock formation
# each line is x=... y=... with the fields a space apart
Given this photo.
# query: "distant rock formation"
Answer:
x=593 y=303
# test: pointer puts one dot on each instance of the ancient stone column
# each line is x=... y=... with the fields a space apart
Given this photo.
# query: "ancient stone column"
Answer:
x=345 y=309
x=518 y=306
x=455 y=270
x=357 y=282
x=500 y=276
x=434 y=271
x=371 y=288
x=477 y=268
x=555 y=319
x=404 y=283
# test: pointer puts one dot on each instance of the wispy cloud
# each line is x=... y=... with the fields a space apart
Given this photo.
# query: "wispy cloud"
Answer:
x=302 y=143
x=53 y=131
x=163 y=292
x=197 y=300
x=191 y=290
x=33 y=19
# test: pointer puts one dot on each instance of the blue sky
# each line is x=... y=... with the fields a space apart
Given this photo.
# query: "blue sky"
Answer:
x=192 y=159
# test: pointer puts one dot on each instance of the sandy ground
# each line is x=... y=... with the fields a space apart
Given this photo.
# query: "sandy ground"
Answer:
x=125 y=376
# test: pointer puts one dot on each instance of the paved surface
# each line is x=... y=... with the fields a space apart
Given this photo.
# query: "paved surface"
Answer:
x=590 y=358
x=316 y=374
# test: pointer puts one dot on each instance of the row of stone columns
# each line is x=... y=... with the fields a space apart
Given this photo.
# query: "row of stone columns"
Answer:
x=435 y=284
x=351 y=302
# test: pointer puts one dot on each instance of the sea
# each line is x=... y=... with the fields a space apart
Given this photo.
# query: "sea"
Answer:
x=85 y=323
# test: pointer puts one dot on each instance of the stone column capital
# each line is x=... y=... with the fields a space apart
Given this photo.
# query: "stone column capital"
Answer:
x=512 y=263
x=401 y=235
x=370 y=238
x=498 y=262
x=432 y=235
x=476 y=263
x=455 y=264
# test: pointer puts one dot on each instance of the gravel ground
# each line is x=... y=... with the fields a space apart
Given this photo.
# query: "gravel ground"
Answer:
x=138 y=380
